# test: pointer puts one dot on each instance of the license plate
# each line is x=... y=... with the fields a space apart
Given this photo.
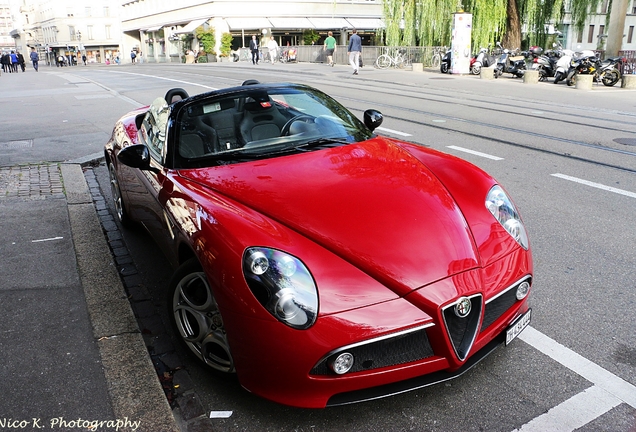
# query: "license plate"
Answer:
x=517 y=327
x=535 y=66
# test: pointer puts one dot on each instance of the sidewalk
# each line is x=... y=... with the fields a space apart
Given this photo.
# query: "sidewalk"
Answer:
x=71 y=353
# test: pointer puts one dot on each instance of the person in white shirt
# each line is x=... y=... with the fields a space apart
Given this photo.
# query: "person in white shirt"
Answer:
x=272 y=46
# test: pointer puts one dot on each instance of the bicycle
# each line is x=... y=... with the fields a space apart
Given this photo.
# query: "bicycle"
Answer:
x=385 y=61
x=438 y=54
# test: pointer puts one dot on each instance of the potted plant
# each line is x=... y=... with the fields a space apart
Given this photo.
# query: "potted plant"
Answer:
x=226 y=45
x=207 y=40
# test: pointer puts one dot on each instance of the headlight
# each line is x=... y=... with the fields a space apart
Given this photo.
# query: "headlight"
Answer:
x=500 y=206
x=283 y=285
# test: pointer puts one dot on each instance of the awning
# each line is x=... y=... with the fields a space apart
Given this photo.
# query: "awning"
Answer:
x=191 y=26
x=366 y=23
x=291 y=23
x=330 y=23
x=247 y=23
x=152 y=29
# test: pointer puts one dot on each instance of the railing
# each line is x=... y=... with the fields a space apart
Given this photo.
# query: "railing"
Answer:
x=316 y=54
x=628 y=66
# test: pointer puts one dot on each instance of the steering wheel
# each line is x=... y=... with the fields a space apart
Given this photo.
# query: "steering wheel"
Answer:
x=305 y=117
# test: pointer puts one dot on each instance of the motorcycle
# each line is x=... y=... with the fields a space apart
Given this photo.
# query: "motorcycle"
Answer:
x=510 y=62
x=586 y=62
x=483 y=59
x=445 y=64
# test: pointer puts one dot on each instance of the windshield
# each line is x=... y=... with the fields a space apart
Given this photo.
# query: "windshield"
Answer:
x=261 y=122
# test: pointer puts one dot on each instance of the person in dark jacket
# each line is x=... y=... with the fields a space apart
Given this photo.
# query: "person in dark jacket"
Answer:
x=354 y=49
x=35 y=59
x=20 y=60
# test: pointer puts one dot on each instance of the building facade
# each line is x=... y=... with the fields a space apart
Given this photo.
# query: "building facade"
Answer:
x=156 y=27
x=69 y=29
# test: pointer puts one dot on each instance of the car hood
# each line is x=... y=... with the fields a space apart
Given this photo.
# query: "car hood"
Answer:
x=373 y=204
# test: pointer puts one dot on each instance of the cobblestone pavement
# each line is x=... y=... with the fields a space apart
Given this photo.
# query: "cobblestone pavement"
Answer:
x=31 y=181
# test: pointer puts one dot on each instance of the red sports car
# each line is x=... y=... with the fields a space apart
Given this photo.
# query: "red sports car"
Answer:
x=319 y=262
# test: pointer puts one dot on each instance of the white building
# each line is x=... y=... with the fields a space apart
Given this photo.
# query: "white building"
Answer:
x=69 y=28
x=155 y=26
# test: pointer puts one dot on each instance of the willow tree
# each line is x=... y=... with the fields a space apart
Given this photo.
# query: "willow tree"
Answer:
x=428 y=22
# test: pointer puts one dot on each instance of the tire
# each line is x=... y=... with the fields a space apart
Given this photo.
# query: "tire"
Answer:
x=571 y=78
x=611 y=77
x=383 y=62
x=436 y=61
x=120 y=206
x=443 y=67
x=196 y=318
x=558 y=76
x=476 y=69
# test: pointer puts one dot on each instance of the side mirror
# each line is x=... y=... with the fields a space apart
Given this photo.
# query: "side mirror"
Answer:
x=136 y=156
x=372 y=119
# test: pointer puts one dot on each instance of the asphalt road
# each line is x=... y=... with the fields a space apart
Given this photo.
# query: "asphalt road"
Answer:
x=568 y=158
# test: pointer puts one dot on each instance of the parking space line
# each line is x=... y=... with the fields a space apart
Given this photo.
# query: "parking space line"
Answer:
x=580 y=365
x=476 y=153
x=595 y=185
x=574 y=413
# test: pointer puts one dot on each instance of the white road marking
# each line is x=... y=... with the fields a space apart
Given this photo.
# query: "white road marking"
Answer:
x=394 y=131
x=574 y=413
x=595 y=185
x=47 y=239
x=476 y=153
x=220 y=414
x=582 y=366
x=608 y=390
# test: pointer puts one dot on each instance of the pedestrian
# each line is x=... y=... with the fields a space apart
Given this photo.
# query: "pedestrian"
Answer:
x=84 y=59
x=254 y=50
x=14 y=62
x=272 y=46
x=34 y=59
x=140 y=58
x=21 y=60
x=330 y=48
x=133 y=56
x=353 y=50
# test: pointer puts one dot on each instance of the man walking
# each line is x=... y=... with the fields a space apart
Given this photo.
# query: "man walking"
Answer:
x=354 y=49
x=254 y=50
x=330 y=48
x=34 y=59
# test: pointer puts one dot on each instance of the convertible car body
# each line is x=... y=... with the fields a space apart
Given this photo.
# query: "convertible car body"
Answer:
x=319 y=262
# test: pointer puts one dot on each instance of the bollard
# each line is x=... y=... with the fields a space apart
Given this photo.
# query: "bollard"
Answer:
x=487 y=73
x=584 y=82
x=418 y=67
x=628 y=82
x=531 y=77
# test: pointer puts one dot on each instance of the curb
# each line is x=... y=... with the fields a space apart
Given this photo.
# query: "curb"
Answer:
x=134 y=390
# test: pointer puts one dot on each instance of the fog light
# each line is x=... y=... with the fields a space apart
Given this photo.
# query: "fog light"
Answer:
x=342 y=364
x=522 y=290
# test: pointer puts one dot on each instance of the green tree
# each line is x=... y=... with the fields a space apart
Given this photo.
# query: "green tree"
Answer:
x=206 y=38
x=428 y=22
x=310 y=36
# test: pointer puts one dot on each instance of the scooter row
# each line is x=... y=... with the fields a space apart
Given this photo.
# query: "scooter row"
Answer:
x=562 y=64
x=558 y=63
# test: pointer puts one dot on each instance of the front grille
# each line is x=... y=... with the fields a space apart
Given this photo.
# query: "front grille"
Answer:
x=390 y=351
x=497 y=306
x=462 y=331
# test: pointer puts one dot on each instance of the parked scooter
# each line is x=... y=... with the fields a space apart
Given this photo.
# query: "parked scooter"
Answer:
x=483 y=59
x=445 y=64
x=544 y=63
x=563 y=64
x=510 y=62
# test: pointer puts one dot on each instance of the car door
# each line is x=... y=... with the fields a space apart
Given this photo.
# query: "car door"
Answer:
x=148 y=200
